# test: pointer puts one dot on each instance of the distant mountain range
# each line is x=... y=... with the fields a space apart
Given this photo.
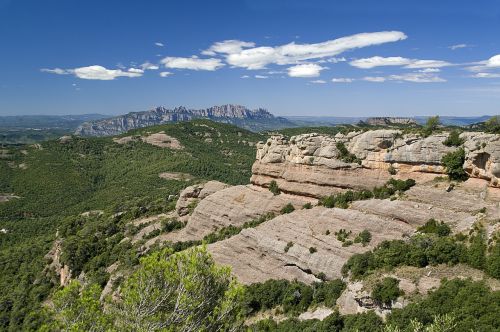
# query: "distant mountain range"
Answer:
x=254 y=120
x=67 y=122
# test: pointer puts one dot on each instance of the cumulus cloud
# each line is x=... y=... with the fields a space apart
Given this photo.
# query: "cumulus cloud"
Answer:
x=305 y=70
x=430 y=70
x=493 y=62
x=96 y=72
x=149 y=66
x=245 y=76
x=378 y=61
x=261 y=76
x=193 y=63
x=457 y=46
x=342 y=80
x=165 y=73
x=259 y=57
x=318 y=82
x=227 y=47
x=101 y=73
x=159 y=44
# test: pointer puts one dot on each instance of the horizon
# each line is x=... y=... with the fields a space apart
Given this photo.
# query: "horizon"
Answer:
x=298 y=59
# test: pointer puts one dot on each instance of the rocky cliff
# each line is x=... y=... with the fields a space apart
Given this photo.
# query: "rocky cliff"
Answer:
x=238 y=115
x=312 y=164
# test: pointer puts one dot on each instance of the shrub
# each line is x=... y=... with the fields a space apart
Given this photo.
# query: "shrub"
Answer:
x=312 y=250
x=287 y=209
x=345 y=155
x=431 y=126
x=392 y=170
x=386 y=291
x=273 y=187
x=307 y=206
x=453 y=139
x=288 y=246
x=364 y=237
x=454 y=162
x=342 y=234
x=432 y=226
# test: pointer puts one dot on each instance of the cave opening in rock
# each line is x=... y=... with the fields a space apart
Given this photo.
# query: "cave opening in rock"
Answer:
x=481 y=160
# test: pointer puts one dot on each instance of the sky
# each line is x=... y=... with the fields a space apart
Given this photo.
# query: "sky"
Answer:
x=307 y=58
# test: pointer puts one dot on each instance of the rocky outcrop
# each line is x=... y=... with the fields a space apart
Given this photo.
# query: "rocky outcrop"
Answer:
x=235 y=114
x=387 y=121
x=190 y=195
x=312 y=165
x=258 y=254
x=61 y=271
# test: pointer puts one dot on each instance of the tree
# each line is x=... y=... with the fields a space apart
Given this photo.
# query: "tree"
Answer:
x=77 y=309
x=431 y=126
x=185 y=291
x=387 y=291
x=454 y=162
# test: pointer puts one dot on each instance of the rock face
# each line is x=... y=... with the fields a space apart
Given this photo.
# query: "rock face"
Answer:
x=258 y=254
x=234 y=114
x=312 y=165
x=386 y=121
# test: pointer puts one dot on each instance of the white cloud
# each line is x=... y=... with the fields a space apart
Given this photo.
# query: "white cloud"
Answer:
x=193 y=63
x=378 y=61
x=493 y=62
x=96 y=72
x=342 y=80
x=165 y=73
x=261 y=76
x=417 y=78
x=457 y=46
x=245 y=76
x=336 y=60
x=375 y=79
x=486 y=75
x=430 y=70
x=57 y=71
x=260 y=57
x=149 y=66
x=159 y=44
x=318 y=82
x=305 y=70
x=136 y=70
x=227 y=47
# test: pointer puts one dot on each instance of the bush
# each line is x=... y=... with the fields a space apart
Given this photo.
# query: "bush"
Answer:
x=431 y=126
x=287 y=209
x=392 y=170
x=432 y=226
x=342 y=234
x=454 y=162
x=364 y=237
x=312 y=250
x=288 y=246
x=307 y=206
x=454 y=139
x=345 y=155
x=386 y=291
x=273 y=187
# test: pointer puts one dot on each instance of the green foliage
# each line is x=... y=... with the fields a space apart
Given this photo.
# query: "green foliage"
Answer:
x=386 y=291
x=273 y=187
x=441 y=323
x=342 y=200
x=175 y=292
x=345 y=155
x=431 y=126
x=454 y=139
x=312 y=250
x=473 y=305
x=392 y=170
x=169 y=225
x=454 y=161
x=342 y=234
x=295 y=297
x=433 y=226
x=365 y=322
x=493 y=125
x=287 y=209
x=364 y=237
x=77 y=309
x=307 y=206
x=493 y=261
x=62 y=180
x=288 y=246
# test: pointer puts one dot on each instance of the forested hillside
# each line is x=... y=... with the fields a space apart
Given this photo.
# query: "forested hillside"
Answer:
x=48 y=185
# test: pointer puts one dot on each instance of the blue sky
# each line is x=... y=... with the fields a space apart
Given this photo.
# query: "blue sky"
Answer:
x=325 y=58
